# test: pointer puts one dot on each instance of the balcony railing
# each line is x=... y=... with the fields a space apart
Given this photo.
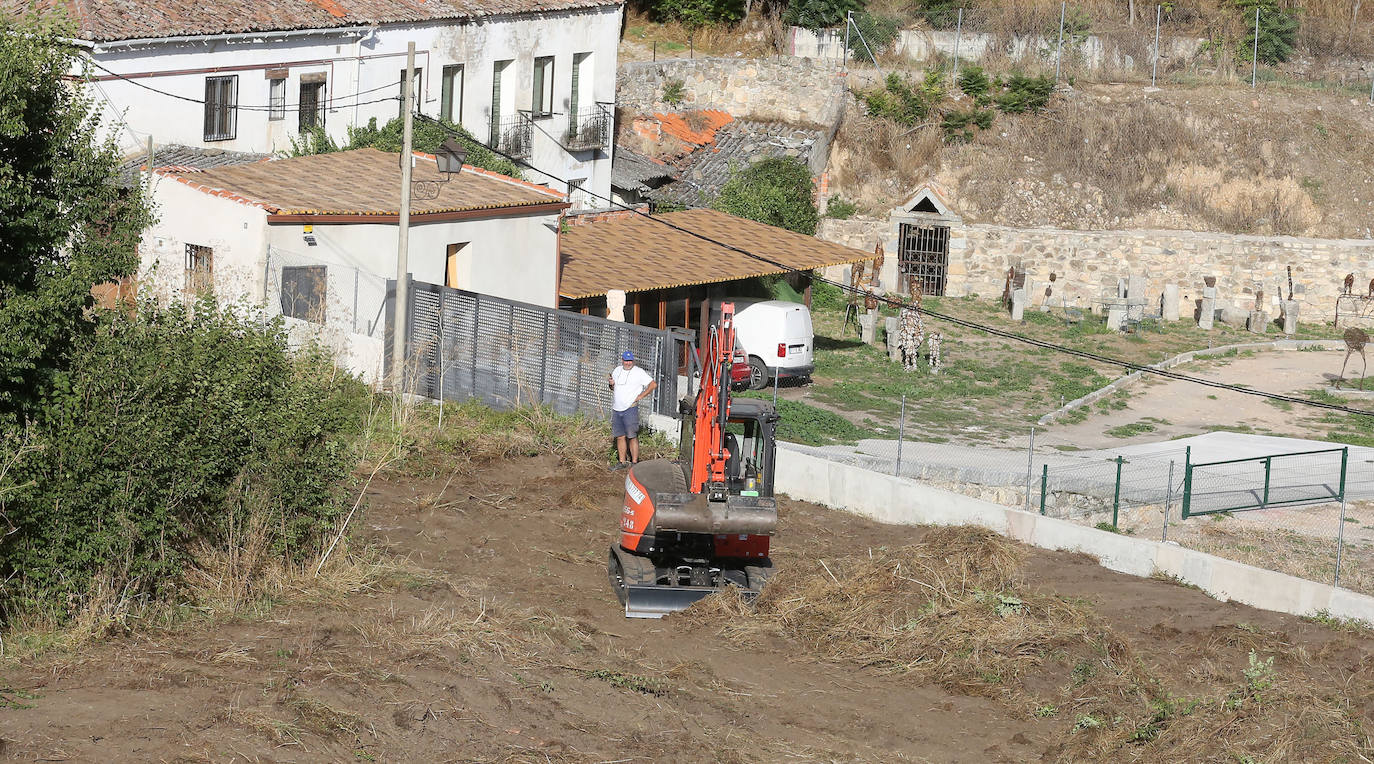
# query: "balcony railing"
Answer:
x=513 y=135
x=588 y=130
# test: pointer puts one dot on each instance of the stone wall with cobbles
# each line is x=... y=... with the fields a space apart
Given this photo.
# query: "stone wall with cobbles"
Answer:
x=798 y=91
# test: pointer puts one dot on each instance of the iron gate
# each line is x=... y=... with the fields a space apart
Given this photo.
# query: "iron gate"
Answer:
x=463 y=345
x=923 y=252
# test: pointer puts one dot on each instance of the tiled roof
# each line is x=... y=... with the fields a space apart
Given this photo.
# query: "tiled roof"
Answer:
x=635 y=253
x=108 y=20
x=736 y=145
x=636 y=171
x=360 y=182
x=174 y=158
x=696 y=127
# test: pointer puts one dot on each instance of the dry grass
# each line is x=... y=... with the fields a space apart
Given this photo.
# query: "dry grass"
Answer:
x=954 y=610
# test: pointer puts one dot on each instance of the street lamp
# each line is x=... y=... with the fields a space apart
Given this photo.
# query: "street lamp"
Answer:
x=450 y=157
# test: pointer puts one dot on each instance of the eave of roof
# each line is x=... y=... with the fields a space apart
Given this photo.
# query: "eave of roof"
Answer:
x=637 y=254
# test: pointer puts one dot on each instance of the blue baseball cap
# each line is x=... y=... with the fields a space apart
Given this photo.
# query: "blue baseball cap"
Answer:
x=627 y=356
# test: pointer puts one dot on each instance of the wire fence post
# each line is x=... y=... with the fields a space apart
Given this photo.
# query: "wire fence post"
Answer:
x=958 y=35
x=1340 y=530
x=848 y=22
x=1030 y=467
x=1371 y=89
x=1268 y=469
x=1154 y=70
x=901 y=433
x=1254 y=52
x=1187 y=480
x=1059 y=48
x=1044 y=482
x=1116 y=494
x=1168 y=501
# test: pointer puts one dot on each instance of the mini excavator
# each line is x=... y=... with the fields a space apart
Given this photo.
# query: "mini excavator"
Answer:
x=696 y=524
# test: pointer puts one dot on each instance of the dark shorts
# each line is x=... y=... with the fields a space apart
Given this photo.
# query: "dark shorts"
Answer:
x=625 y=423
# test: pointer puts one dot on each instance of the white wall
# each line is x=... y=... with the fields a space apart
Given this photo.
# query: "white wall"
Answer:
x=236 y=232
x=355 y=61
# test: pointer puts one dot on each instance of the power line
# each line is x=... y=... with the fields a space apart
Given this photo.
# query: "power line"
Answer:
x=1095 y=357
x=331 y=102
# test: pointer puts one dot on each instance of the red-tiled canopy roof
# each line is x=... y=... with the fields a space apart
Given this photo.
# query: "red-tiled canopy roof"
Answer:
x=635 y=253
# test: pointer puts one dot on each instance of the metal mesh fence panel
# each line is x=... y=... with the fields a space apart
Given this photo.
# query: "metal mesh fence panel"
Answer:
x=1253 y=483
x=464 y=345
x=299 y=286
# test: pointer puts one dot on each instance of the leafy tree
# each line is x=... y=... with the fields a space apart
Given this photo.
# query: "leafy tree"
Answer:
x=904 y=103
x=819 y=14
x=873 y=35
x=941 y=14
x=776 y=191
x=65 y=224
x=426 y=135
x=1278 y=32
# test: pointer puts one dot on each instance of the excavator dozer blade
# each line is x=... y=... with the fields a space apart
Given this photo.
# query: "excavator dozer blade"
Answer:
x=658 y=601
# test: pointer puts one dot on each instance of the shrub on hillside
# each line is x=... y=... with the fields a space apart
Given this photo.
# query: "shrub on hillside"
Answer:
x=974 y=82
x=1278 y=32
x=873 y=35
x=819 y=14
x=426 y=136
x=840 y=208
x=695 y=14
x=902 y=102
x=1021 y=93
x=776 y=191
x=172 y=429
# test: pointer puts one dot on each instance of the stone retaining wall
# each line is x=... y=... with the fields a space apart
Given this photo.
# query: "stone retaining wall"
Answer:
x=1088 y=264
x=784 y=89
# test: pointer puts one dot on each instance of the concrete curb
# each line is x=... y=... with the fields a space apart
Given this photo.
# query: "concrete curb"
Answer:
x=1191 y=355
x=899 y=501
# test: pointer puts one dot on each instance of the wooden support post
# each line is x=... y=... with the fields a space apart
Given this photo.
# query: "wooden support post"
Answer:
x=662 y=310
x=704 y=319
x=638 y=299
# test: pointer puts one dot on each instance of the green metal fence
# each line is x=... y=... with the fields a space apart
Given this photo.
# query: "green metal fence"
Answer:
x=1260 y=482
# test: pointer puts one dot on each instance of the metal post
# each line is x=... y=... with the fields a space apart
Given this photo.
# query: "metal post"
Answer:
x=1268 y=463
x=356 y=275
x=1187 y=480
x=1044 y=481
x=1059 y=48
x=958 y=35
x=775 y=388
x=1116 y=495
x=692 y=46
x=1168 y=500
x=442 y=368
x=1345 y=461
x=655 y=50
x=1030 y=467
x=901 y=434
x=1254 y=53
x=1154 y=70
x=398 y=334
x=1340 y=544
x=848 y=22
x=1371 y=89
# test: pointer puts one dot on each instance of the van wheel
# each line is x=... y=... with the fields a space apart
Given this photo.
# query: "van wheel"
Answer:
x=758 y=374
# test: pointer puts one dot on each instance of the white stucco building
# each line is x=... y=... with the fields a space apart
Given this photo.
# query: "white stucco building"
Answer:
x=315 y=239
x=535 y=78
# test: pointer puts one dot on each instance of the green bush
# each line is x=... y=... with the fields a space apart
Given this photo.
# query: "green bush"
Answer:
x=940 y=14
x=426 y=136
x=673 y=92
x=872 y=35
x=776 y=191
x=826 y=296
x=819 y=14
x=901 y=102
x=840 y=208
x=1278 y=32
x=695 y=14
x=1021 y=93
x=974 y=82
x=961 y=124
x=168 y=430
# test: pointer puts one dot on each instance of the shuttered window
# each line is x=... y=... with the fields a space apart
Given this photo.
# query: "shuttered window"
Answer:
x=541 y=102
x=451 y=94
x=221 y=108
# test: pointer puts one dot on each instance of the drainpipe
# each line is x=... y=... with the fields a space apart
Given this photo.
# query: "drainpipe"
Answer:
x=358 y=70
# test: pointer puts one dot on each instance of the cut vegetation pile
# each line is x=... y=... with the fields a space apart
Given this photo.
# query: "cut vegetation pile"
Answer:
x=956 y=610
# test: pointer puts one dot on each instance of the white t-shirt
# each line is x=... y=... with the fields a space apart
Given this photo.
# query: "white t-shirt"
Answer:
x=629 y=383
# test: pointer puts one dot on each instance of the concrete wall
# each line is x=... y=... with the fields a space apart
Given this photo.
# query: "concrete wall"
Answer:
x=1092 y=53
x=895 y=500
x=356 y=62
x=798 y=91
x=1088 y=264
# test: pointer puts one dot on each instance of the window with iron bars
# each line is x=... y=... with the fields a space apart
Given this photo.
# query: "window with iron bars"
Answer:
x=221 y=108
x=923 y=253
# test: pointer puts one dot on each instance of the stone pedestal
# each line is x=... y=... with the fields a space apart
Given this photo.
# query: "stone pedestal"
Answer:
x=1135 y=288
x=868 y=327
x=891 y=327
x=1170 y=306
x=1233 y=316
x=1206 y=313
x=1290 y=316
x=1259 y=322
x=1116 y=318
x=1018 y=304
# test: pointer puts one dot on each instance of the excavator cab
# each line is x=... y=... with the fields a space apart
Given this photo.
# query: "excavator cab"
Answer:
x=699 y=523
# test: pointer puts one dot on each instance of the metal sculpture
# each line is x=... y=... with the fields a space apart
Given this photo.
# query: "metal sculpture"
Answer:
x=1355 y=340
x=1349 y=283
x=913 y=331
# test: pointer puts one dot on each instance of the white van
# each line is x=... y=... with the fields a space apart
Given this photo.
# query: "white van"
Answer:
x=775 y=338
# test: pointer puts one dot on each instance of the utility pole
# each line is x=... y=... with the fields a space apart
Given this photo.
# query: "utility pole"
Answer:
x=398 y=333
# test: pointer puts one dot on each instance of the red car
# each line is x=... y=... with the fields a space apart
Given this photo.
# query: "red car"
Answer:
x=739 y=371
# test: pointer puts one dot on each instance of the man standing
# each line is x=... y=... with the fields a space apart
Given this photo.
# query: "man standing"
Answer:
x=629 y=385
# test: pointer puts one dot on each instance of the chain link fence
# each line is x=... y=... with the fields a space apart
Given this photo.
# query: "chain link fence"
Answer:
x=1308 y=514
x=1159 y=44
x=337 y=296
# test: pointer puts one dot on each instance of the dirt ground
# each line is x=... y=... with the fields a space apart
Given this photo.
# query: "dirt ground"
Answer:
x=1176 y=408
x=497 y=638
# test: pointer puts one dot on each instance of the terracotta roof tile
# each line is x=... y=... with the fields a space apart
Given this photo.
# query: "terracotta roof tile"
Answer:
x=636 y=253
x=361 y=182
x=697 y=127
x=109 y=20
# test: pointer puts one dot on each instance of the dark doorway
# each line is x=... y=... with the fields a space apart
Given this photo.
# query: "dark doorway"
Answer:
x=923 y=252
